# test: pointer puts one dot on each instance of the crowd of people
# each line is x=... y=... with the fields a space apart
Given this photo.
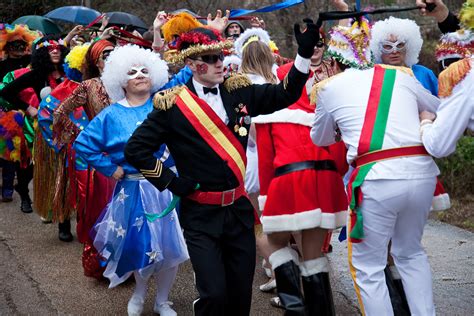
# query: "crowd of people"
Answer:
x=201 y=141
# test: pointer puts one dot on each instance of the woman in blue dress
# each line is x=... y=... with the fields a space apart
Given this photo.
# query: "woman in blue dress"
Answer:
x=132 y=234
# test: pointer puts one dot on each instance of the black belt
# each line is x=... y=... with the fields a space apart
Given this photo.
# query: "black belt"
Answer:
x=303 y=165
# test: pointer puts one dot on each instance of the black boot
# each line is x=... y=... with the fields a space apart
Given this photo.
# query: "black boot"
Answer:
x=400 y=308
x=25 y=205
x=287 y=278
x=65 y=231
x=318 y=295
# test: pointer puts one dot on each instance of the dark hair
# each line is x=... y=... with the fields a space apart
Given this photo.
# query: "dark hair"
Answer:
x=40 y=59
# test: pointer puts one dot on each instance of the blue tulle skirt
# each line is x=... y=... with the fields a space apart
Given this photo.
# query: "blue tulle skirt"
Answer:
x=130 y=238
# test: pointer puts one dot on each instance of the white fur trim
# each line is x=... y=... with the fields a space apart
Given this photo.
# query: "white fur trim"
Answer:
x=404 y=30
x=314 y=266
x=303 y=220
x=282 y=256
x=441 y=202
x=255 y=31
x=286 y=116
x=120 y=61
x=262 y=199
x=232 y=59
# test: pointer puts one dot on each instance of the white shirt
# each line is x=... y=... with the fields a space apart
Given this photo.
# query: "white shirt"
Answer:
x=214 y=100
x=455 y=114
x=343 y=102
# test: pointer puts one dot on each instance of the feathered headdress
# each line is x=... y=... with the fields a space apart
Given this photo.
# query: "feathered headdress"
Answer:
x=178 y=24
x=10 y=33
x=74 y=61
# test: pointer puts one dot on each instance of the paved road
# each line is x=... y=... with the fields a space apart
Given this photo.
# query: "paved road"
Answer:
x=42 y=276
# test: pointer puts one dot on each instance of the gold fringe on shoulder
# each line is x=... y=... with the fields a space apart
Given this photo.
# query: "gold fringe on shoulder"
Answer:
x=164 y=100
x=318 y=87
x=400 y=68
x=237 y=81
x=451 y=76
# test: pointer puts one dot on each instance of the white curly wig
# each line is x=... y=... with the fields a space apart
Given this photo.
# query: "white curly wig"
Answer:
x=403 y=29
x=119 y=62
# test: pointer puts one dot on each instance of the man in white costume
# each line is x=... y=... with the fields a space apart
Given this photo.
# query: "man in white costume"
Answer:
x=400 y=177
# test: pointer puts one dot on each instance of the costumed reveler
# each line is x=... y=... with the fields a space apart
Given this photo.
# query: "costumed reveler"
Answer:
x=94 y=189
x=392 y=185
x=133 y=235
x=16 y=130
x=63 y=163
x=456 y=86
x=46 y=71
x=302 y=193
x=204 y=125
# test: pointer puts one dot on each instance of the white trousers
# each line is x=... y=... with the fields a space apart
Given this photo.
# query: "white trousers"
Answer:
x=394 y=210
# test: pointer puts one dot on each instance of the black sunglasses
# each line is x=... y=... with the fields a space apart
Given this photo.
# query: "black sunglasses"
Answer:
x=105 y=54
x=319 y=44
x=210 y=59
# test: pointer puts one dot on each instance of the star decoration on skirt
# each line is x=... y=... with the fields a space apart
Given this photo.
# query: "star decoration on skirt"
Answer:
x=120 y=231
x=111 y=224
x=138 y=223
x=122 y=196
x=152 y=254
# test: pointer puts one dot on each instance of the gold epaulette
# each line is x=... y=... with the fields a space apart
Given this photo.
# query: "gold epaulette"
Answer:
x=237 y=81
x=165 y=99
x=317 y=87
x=401 y=68
x=451 y=76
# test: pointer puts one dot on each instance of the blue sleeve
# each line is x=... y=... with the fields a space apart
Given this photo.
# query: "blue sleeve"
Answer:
x=45 y=120
x=427 y=78
x=179 y=79
x=90 y=145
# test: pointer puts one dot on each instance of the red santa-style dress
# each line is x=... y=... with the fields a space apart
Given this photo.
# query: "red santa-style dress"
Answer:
x=300 y=185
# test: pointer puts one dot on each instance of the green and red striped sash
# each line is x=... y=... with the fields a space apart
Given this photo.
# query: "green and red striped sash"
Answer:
x=371 y=139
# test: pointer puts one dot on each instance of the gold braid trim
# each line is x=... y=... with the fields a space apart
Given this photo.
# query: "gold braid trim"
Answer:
x=400 y=68
x=237 y=81
x=318 y=87
x=197 y=49
x=164 y=100
x=451 y=76
x=155 y=172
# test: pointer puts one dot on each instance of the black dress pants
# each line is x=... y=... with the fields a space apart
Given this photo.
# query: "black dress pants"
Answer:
x=224 y=266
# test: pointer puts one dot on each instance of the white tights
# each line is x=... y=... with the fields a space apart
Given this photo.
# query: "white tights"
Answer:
x=164 y=281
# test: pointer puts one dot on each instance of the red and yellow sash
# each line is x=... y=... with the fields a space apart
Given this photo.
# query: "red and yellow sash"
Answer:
x=213 y=130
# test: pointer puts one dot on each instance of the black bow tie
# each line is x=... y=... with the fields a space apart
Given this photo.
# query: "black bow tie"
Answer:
x=211 y=90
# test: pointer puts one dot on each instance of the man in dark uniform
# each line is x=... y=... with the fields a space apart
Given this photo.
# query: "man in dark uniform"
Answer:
x=205 y=124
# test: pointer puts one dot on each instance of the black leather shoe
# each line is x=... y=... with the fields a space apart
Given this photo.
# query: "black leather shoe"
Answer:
x=287 y=278
x=318 y=295
x=25 y=205
x=65 y=231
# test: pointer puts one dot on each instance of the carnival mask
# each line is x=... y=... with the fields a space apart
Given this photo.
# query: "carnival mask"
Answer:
x=137 y=71
x=388 y=47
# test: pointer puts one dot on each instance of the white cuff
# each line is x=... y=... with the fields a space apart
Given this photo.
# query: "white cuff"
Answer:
x=314 y=266
x=302 y=64
x=282 y=256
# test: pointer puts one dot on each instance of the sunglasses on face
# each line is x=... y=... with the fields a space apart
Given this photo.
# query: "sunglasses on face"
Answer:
x=444 y=63
x=388 y=47
x=210 y=59
x=319 y=44
x=105 y=54
x=17 y=45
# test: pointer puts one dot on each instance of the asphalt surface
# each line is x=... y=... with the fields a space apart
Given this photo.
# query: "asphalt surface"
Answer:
x=41 y=275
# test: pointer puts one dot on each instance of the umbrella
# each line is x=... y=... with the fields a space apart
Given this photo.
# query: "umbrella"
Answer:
x=73 y=14
x=39 y=23
x=124 y=19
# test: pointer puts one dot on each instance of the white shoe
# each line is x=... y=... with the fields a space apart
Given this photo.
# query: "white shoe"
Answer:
x=135 y=306
x=164 y=309
x=268 y=271
x=269 y=286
